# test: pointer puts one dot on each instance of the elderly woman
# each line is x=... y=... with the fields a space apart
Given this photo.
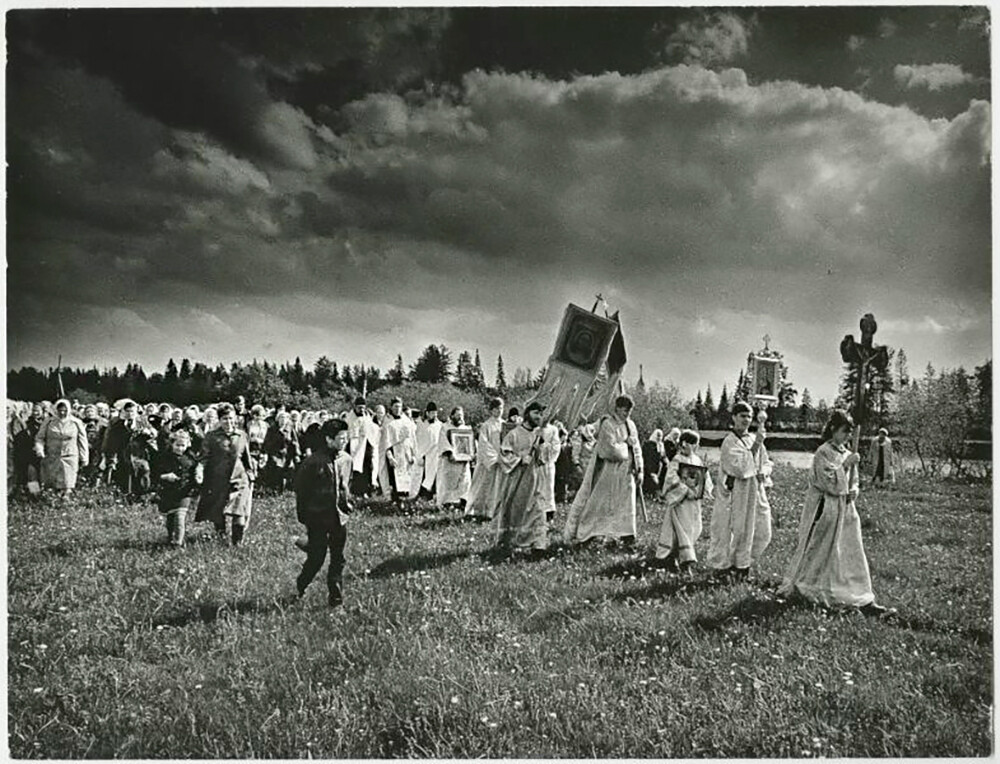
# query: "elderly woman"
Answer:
x=63 y=447
x=227 y=490
x=256 y=430
x=210 y=420
x=27 y=464
x=652 y=458
x=829 y=566
x=281 y=447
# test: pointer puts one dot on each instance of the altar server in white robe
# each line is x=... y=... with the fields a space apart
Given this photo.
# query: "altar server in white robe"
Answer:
x=425 y=464
x=741 y=520
x=682 y=521
x=486 y=477
x=396 y=453
x=604 y=506
x=829 y=566
x=454 y=476
x=363 y=440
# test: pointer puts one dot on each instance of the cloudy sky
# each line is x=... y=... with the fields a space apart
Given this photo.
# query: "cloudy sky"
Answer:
x=224 y=185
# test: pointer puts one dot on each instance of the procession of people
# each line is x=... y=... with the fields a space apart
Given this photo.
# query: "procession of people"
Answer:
x=509 y=471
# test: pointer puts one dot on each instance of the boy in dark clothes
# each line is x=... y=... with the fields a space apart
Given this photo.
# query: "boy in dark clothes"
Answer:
x=322 y=504
x=178 y=478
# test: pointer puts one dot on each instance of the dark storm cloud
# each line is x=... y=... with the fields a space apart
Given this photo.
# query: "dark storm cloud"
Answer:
x=246 y=185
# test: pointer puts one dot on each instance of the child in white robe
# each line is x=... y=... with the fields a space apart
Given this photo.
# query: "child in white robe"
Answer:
x=682 y=524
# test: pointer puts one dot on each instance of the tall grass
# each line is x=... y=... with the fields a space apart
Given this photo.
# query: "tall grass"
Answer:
x=122 y=647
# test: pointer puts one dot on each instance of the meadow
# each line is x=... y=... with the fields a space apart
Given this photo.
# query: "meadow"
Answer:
x=120 y=647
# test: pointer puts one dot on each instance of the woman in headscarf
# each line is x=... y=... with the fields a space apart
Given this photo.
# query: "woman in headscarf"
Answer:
x=210 y=419
x=229 y=473
x=281 y=447
x=63 y=447
x=256 y=430
x=27 y=464
x=829 y=566
x=652 y=457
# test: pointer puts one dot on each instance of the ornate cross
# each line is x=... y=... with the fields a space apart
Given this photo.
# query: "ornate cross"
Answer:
x=767 y=341
x=861 y=355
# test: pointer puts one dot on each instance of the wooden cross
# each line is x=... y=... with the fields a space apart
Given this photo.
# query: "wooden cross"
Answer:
x=600 y=299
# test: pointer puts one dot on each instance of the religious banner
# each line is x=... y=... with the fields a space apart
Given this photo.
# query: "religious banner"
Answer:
x=766 y=379
x=581 y=351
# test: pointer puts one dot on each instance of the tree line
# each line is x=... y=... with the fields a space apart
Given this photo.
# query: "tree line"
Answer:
x=289 y=383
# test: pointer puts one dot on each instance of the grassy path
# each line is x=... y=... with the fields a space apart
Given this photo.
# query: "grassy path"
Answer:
x=120 y=647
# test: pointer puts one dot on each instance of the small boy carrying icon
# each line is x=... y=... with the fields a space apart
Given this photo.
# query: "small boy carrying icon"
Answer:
x=687 y=482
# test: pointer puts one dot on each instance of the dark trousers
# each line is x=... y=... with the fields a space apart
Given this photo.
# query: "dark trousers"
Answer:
x=320 y=539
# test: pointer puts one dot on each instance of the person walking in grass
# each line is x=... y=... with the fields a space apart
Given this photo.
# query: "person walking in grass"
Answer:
x=741 y=526
x=829 y=566
x=687 y=482
x=486 y=477
x=62 y=444
x=322 y=505
x=229 y=474
x=178 y=476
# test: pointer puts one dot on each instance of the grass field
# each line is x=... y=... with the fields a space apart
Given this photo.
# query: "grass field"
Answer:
x=121 y=647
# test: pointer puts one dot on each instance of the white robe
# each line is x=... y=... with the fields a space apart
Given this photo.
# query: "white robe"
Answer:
x=682 y=523
x=520 y=519
x=425 y=452
x=741 y=518
x=362 y=430
x=605 y=504
x=486 y=477
x=454 y=479
x=397 y=444
x=830 y=566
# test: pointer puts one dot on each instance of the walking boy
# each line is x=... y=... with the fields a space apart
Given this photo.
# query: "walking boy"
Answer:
x=322 y=504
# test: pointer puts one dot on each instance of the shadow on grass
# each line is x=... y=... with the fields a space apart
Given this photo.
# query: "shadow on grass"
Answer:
x=443 y=521
x=411 y=563
x=979 y=637
x=495 y=555
x=209 y=612
x=632 y=569
x=669 y=587
x=751 y=609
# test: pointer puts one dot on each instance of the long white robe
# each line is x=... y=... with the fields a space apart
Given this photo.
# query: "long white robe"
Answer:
x=362 y=433
x=454 y=479
x=741 y=517
x=604 y=506
x=396 y=443
x=520 y=519
x=888 y=460
x=425 y=451
x=682 y=525
x=547 y=483
x=830 y=566
x=486 y=477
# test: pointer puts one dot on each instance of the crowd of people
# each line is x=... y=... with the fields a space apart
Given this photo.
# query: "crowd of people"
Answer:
x=512 y=471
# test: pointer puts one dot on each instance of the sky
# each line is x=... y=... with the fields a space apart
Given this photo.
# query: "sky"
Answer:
x=233 y=184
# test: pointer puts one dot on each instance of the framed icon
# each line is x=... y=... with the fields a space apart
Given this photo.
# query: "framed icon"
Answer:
x=694 y=477
x=584 y=339
x=462 y=444
x=766 y=378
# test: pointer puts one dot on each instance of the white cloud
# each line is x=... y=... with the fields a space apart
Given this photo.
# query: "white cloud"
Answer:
x=704 y=327
x=854 y=42
x=931 y=76
x=709 y=39
x=887 y=28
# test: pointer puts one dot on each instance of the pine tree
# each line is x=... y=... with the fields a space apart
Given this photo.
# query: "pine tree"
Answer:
x=902 y=369
x=709 y=403
x=297 y=377
x=722 y=414
x=479 y=378
x=699 y=411
x=806 y=411
x=433 y=365
x=397 y=374
x=463 y=365
x=501 y=379
x=185 y=373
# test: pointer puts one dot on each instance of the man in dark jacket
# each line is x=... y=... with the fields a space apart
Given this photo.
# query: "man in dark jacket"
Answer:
x=322 y=504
